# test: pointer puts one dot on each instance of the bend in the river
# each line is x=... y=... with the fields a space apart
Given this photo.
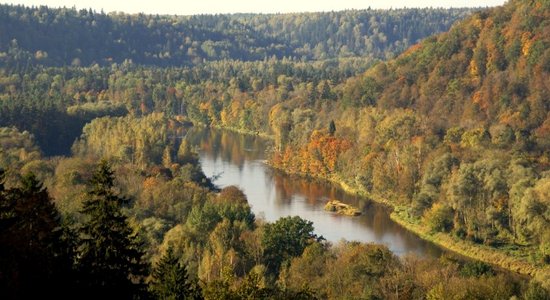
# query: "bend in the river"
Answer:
x=237 y=159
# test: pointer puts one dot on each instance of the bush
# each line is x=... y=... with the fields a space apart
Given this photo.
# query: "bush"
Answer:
x=440 y=218
x=476 y=269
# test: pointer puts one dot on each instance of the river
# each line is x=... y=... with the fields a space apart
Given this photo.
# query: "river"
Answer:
x=237 y=159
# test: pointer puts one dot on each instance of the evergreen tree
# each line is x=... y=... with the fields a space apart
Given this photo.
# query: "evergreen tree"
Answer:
x=6 y=215
x=110 y=256
x=331 y=128
x=2 y=176
x=34 y=257
x=171 y=280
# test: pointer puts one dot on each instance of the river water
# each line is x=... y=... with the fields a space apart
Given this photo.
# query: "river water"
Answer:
x=237 y=159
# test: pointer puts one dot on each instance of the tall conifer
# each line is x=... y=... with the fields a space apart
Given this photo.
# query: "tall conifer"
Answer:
x=110 y=256
x=34 y=256
x=170 y=279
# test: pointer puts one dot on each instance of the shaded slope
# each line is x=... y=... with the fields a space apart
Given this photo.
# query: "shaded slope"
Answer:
x=67 y=36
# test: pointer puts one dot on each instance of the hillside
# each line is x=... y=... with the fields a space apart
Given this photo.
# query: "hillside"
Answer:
x=453 y=133
x=489 y=70
x=72 y=66
x=58 y=37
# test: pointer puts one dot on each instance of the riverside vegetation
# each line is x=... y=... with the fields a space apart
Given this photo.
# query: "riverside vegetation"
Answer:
x=453 y=133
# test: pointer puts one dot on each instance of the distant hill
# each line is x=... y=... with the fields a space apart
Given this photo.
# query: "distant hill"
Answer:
x=58 y=37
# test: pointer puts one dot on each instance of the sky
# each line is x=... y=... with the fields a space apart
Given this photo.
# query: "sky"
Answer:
x=191 y=7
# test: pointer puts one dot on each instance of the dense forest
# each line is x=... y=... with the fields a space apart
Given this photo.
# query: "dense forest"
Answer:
x=42 y=51
x=163 y=231
x=453 y=134
x=58 y=37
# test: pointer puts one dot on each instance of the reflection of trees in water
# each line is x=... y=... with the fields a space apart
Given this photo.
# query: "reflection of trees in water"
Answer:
x=375 y=216
x=379 y=220
x=287 y=186
x=230 y=146
x=283 y=195
x=238 y=148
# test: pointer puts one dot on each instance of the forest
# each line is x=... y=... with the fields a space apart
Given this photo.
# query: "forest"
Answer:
x=61 y=37
x=451 y=130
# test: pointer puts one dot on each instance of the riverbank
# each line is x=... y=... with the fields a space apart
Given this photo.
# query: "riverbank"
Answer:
x=467 y=249
x=243 y=131
x=470 y=250
x=497 y=257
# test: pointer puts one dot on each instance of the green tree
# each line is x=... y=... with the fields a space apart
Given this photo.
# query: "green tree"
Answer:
x=331 y=128
x=358 y=270
x=170 y=279
x=440 y=218
x=110 y=256
x=308 y=270
x=34 y=257
x=251 y=288
x=285 y=239
x=476 y=269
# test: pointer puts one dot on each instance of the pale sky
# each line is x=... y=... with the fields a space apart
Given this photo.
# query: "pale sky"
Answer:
x=190 y=7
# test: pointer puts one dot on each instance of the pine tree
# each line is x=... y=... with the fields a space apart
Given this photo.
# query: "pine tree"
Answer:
x=331 y=128
x=110 y=256
x=6 y=207
x=171 y=280
x=2 y=176
x=34 y=257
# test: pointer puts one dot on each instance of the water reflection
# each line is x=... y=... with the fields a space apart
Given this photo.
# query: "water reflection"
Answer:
x=239 y=160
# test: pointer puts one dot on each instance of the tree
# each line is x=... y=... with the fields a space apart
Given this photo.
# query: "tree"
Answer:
x=285 y=239
x=331 y=128
x=308 y=270
x=357 y=270
x=34 y=257
x=110 y=256
x=251 y=288
x=476 y=269
x=440 y=218
x=171 y=280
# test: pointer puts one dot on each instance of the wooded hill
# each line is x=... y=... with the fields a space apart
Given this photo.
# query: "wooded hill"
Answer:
x=453 y=133
x=58 y=37
x=456 y=131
